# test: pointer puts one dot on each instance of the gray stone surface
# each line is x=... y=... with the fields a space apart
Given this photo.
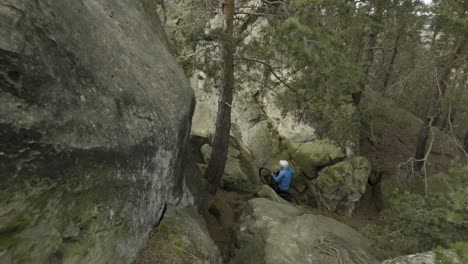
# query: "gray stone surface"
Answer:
x=311 y=155
x=422 y=258
x=275 y=233
x=181 y=237
x=239 y=172
x=265 y=191
x=339 y=187
x=263 y=141
x=94 y=119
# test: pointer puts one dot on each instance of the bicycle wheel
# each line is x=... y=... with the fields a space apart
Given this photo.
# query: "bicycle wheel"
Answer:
x=264 y=175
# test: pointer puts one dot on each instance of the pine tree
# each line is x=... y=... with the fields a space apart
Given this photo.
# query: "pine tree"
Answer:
x=215 y=169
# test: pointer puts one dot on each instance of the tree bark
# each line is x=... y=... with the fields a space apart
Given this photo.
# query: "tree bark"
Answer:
x=434 y=112
x=368 y=57
x=217 y=163
x=448 y=119
x=445 y=75
x=465 y=141
x=392 y=60
x=423 y=137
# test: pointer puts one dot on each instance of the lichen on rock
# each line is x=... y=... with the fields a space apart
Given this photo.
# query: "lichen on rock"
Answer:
x=339 y=187
x=181 y=237
x=311 y=155
x=93 y=129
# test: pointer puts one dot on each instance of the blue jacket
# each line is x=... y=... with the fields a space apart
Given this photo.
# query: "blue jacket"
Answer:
x=284 y=178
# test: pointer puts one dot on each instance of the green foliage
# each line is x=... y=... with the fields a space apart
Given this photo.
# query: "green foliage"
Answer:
x=308 y=46
x=459 y=252
x=417 y=223
x=461 y=249
x=442 y=257
x=450 y=15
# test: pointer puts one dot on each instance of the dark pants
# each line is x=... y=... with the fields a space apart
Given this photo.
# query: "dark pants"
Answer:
x=274 y=185
x=283 y=193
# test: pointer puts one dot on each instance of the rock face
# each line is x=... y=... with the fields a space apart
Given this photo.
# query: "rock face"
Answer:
x=339 y=187
x=181 y=237
x=94 y=117
x=270 y=232
x=239 y=173
x=422 y=258
x=267 y=192
x=311 y=155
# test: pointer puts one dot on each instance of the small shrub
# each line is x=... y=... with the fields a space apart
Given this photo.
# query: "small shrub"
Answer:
x=416 y=223
x=460 y=252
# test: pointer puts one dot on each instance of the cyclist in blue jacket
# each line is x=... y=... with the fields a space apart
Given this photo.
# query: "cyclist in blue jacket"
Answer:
x=284 y=178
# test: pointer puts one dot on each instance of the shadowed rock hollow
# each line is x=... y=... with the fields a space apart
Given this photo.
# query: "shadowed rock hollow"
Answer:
x=94 y=119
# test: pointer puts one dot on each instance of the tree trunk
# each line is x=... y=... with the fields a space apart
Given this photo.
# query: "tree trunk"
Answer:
x=392 y=60
x=434 y=111
x=368 y=57
x=423 y=137
x=447 y=119
x=215 y=169
x=445 y=75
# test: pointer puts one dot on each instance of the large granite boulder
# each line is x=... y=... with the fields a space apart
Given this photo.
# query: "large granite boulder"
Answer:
x=239 y=174
x=424 y=258
x=270 y=232
x=264 y=142
x=181 y=237
x=265 y=191
x=94 y=119
x=339 y=187
x=312 y=155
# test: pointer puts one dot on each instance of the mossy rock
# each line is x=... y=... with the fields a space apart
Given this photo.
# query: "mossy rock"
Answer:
x=311 y=155
x=206 y=150
x=235 y=178
x=181 y=237
x=264 y=142
x=269 y=232
x=266 y=191
x=239 y=173
x=339 y=187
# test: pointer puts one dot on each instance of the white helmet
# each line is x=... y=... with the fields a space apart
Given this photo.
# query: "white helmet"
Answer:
x=283 y=163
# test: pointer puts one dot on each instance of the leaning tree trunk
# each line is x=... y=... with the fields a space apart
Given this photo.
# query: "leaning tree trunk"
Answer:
x=215 y=169
x=368 y=57
x=465 y=141
x=434 y=112
x=388 y=73
x=423 y=137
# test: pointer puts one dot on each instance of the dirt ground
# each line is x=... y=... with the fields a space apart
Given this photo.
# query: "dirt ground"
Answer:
x=221 y=212
x=158 y=251
x=366 y=213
